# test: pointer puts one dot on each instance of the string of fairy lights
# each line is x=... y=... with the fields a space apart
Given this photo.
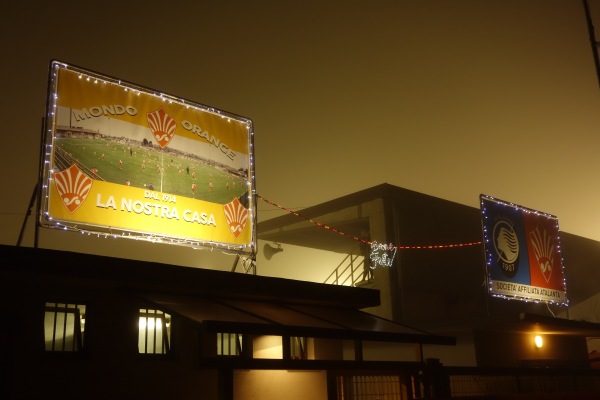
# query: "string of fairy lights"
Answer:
x=390 y=246
x=381 y=254
x=199 y=244
x=102 y=231
x=394 y=248
x=114 y=233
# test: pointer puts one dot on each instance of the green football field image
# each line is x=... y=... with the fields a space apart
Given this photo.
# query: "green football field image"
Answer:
x=149 y=168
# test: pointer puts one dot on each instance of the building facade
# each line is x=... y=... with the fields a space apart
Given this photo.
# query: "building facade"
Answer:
x=438 y=280
x=84 y=326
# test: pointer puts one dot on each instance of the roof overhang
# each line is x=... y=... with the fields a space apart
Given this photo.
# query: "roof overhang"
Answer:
x=215 y=315
x=553 y=325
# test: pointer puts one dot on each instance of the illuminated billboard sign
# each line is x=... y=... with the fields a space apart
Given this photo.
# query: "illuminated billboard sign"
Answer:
x=127 y=161
x=522 y=248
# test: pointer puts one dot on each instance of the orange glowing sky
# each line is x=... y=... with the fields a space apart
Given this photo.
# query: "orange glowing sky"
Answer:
x=452 y=99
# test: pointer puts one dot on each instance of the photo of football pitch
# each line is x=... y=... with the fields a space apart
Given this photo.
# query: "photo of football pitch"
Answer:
x=151 y=168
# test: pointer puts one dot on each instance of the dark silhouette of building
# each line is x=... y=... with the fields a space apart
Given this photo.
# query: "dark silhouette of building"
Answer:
x=86 y=326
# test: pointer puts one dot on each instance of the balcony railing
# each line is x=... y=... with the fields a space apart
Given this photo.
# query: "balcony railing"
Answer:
x=349 y=271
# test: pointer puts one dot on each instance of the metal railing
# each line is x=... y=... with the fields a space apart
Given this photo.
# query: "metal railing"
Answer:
x=436 y=382
x=468 y=382
x=349 y=271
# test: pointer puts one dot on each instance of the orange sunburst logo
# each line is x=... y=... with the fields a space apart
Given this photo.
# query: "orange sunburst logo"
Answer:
x=162 y=126
x=73 y=186
x=237 y=216
x=543 y=248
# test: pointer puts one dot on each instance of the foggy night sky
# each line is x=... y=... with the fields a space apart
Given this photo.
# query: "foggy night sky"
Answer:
x=448 y=98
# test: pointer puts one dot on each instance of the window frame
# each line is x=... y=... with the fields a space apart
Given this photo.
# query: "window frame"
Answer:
x=65 y=319
x=225 y=341
x=298 y=347
x=161 y=346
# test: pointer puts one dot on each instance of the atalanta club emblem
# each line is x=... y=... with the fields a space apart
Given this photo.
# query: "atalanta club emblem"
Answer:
x=162 y=126
x=73 y=186
x=506 y=244
x=237 y=216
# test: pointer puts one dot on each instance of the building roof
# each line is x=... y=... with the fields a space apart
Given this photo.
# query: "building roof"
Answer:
x=291 y=319
x=217 y=301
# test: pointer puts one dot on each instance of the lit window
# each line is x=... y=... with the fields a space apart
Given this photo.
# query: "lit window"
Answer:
x=229 y=344
x=298 y=348
x=154 y=332
x=63 y=327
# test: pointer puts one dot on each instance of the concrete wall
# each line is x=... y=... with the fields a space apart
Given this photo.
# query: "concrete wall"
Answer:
x=277 y=385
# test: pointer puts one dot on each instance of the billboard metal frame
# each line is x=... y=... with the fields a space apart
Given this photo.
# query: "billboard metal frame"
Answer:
x=522 y=251
x=202 y=193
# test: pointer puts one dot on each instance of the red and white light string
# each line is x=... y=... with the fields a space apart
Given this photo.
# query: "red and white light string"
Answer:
x=327 y=227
